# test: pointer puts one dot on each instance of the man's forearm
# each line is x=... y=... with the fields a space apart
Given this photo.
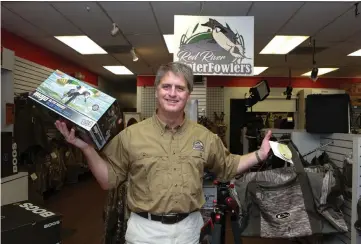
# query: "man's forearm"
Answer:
x=247 y=161
x=98 y=166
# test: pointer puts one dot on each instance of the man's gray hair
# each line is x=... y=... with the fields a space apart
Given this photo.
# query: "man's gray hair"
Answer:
x=176 y=68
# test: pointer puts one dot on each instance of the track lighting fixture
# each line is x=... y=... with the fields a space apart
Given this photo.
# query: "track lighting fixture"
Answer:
x=289 y=88
x=314 y=72
x=114 y=30
x=134 y=55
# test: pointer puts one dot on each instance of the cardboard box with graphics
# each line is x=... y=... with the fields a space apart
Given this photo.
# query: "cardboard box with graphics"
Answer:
x=94 y=113
x=24 y=222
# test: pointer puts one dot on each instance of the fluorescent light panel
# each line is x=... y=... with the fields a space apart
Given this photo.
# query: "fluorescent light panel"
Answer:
x=321 y=71
x=118 y=70
x=82 y=44
x=169 y=41
x=356 y=53
x=258 y=70
x=283 y=44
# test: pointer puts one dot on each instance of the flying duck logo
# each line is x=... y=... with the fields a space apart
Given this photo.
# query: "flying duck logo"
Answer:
x=214 y=46
x=198 y=145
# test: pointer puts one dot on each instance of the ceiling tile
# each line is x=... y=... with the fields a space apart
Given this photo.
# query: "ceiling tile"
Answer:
x=303 y=23
x=341 y=29
x=102 y=60
x=139 y=67
x=56 y=46
x=146 y=41
x=213 y=8
x=37 y=12
x=275 y=72
x=165 y=11
x=14 y=23
x=269 y=17
x=132 y=17
x=87 y=16
x=155 y=56
x=356 y=38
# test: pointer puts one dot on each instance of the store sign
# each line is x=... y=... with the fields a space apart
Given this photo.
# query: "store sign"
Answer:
x=214 y=45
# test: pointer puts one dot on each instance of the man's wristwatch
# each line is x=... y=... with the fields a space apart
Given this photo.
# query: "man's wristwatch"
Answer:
x=257 y=156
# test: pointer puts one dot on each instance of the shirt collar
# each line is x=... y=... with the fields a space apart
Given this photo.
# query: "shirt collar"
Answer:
x=163 y=127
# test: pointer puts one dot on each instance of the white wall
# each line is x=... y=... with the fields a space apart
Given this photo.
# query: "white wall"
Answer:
x=7 y=85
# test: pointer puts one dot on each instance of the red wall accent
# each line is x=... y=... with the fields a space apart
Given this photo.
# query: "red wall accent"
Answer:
x=27 y=50
x=297 y=82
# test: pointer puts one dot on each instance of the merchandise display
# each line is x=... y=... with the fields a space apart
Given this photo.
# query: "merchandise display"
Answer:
x=50 y=161
x=309 y=200
x=94 y=113
x=25 y=222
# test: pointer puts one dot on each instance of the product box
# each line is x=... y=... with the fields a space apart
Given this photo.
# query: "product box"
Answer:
x=94 y=113
x=9 y=155
x=24 y=222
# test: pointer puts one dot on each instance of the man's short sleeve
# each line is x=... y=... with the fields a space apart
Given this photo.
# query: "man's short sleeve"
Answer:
x=220 y=160
x=116 y=155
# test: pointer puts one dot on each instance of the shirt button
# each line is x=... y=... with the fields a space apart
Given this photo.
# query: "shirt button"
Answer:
x=175 y=184
x=175 y=168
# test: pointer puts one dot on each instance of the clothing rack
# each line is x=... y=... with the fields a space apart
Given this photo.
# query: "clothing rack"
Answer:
x=338 y=147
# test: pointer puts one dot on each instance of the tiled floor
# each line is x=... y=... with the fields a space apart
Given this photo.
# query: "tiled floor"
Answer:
x=81 y=205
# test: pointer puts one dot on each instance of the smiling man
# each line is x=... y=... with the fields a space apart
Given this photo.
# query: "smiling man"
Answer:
x=163 y=158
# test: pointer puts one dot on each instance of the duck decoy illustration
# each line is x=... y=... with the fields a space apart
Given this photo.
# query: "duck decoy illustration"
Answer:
x=227 y=39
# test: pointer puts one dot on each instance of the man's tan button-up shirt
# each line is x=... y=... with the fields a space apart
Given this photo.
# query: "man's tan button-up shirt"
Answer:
x=164 y=167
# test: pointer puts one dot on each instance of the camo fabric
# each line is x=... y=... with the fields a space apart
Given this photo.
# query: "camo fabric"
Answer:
x=116 y=215
x=290 y=202
x=289 y=219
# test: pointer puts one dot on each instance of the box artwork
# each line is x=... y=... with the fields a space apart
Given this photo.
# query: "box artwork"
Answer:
x=94 y=113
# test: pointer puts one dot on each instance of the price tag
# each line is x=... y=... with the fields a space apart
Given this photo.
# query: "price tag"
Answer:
x=53 y=155
x=33 y=176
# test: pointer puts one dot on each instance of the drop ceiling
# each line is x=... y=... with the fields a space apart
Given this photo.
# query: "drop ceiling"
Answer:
x=333 y=25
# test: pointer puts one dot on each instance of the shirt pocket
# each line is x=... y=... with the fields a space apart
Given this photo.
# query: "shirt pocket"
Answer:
x=154 y=171
x=146 y=172
x=192 y=169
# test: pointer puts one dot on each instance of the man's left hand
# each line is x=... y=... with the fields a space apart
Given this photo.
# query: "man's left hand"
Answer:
x=265 y=147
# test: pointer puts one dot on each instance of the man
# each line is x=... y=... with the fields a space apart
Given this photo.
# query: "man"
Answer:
x=163 y=158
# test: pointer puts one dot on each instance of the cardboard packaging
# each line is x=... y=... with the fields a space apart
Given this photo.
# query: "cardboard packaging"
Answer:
x=94 y=113
x=24 y=222
x=9 y=155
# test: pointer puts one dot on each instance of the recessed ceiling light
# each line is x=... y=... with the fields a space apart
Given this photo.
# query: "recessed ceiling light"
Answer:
x=118 y=70
x=169 y=41
x=258 y=70
x=82 y=44
x=356 y=53
x=283 y=44
x=321 y=71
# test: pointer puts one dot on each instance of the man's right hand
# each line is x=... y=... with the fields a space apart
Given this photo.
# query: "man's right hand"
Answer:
x=70 y=136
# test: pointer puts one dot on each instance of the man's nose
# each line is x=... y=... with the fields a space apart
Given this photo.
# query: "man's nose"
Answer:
x=172 y=91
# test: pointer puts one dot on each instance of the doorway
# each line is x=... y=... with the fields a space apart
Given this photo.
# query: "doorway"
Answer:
x=237 y=120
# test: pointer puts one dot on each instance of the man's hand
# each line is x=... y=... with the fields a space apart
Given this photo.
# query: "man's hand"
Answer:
x=265 y=147
x=70 y=136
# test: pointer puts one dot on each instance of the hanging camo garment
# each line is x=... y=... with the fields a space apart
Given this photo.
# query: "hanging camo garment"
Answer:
x=116 y=215
x=308 y=201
